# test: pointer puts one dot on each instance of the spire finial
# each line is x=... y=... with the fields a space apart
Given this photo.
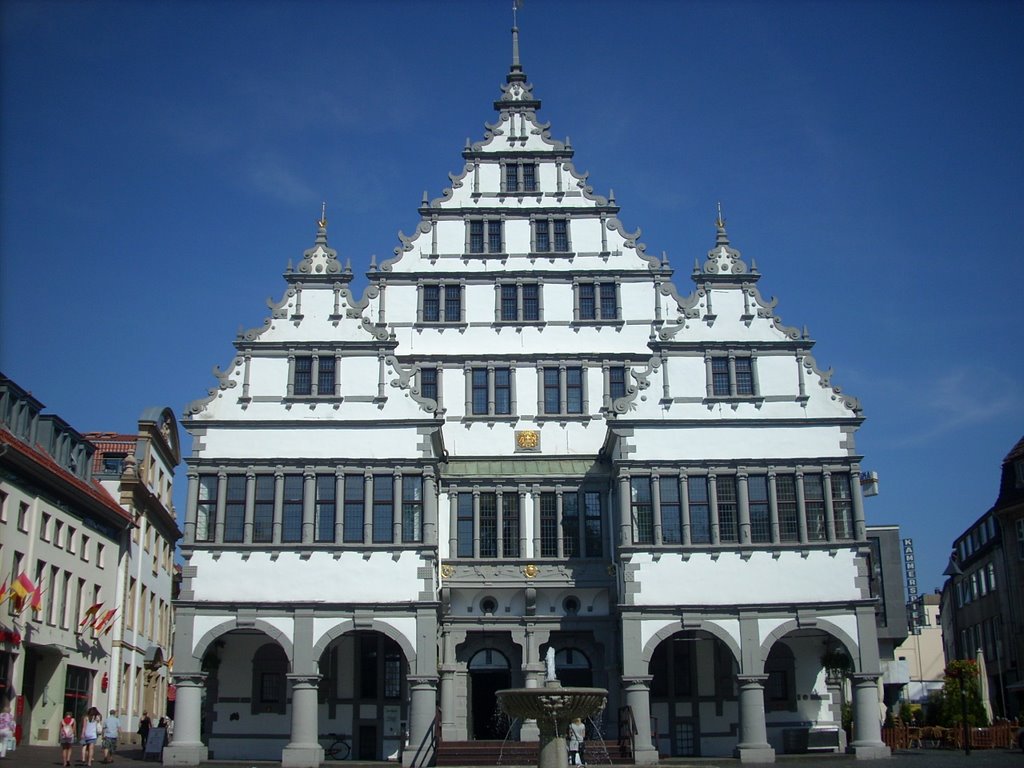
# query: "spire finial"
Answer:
x=323 y=215
x=516 y=4
x=720 y=222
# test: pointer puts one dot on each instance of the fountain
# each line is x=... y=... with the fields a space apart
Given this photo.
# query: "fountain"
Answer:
x=553 y=707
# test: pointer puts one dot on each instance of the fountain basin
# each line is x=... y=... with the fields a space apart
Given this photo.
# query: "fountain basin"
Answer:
x=552 y=705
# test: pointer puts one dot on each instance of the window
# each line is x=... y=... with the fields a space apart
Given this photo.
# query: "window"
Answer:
x=760 y=519
x=725 y=495
x=263 y=510
x=548 y=525
x=616 y=382
x=597 y=301
x=519 y=303
x=488 y=525
x=671 y=511
x=700 y=510
x=383 y=508
x=642 y=510
x=23 y=517
x=269 y=684
x=509 y=524
x=464 y=524
x=842 y=505
x=486 y=236
x=593 y=538
x=354 y=493
x=730 y=376
x=412 y=509
x=326 y=507
x=85 y=548
x=490 y=391
x=303 y=383
x=563 y=390
x=570 y=525
x=814 y=506
x=551 y=235
x=441 y=303
x=314 y=376
x=234 y=509
x=291 y=509
x=429 y=384
x=519 y=177
x=44 y=527
x=206 y=508
x=780 y=688
x=785 y=496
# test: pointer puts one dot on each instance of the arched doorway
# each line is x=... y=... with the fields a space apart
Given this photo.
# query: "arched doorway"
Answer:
x=572 y=668
x=694 y=698
x=363 y=693
x=489 y=672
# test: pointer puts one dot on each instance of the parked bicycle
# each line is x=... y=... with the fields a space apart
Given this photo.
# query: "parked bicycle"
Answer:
x=340 y=747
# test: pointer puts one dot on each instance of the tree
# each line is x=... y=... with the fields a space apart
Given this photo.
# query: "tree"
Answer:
x=962 y=675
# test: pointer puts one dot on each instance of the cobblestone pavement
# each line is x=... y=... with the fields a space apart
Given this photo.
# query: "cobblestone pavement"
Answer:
x=49 y=757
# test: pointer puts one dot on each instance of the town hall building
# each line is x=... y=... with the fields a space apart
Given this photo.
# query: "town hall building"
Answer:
x=526 y=433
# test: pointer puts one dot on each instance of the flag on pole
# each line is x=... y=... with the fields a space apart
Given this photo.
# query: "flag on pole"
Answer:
x=37 y=599
x=90 y=612
x=3 y=592
x=23 y=586
x=101 y=623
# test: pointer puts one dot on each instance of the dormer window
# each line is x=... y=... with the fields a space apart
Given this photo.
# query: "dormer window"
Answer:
x=519 y=177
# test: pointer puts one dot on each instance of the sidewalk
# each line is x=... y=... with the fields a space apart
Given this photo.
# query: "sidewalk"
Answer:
x=131 y=757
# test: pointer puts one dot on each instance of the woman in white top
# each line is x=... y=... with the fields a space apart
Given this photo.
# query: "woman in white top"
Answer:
x=90 y=732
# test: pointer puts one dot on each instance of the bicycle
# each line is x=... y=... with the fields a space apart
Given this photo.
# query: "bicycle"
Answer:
x=340 y=748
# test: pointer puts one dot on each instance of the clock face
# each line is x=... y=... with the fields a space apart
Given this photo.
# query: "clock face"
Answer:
x=527 y=439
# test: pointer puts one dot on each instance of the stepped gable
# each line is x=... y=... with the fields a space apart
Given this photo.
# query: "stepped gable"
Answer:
x=492 y=183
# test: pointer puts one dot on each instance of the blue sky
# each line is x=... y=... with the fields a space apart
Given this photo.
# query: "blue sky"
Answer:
x=160 y=163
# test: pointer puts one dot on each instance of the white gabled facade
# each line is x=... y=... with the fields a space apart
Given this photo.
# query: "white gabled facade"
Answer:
x=523 y=435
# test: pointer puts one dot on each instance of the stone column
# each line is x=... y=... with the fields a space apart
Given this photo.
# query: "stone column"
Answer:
x=420 y=748
x=867 y=741
x=638 y=699
x=304 y=750
x=753 y=746
x=187 y=747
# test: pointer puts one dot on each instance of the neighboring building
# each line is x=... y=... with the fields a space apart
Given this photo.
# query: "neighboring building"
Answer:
x=983 y=599
x=523 y=436
x=922 y=652
x=886 y=581
x=138 y=471
x=63 y=533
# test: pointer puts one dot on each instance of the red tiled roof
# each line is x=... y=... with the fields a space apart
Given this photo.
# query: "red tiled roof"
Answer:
x=43 y=461
x=109 y=442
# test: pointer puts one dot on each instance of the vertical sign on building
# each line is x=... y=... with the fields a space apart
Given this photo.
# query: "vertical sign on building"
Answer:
x=913 y=605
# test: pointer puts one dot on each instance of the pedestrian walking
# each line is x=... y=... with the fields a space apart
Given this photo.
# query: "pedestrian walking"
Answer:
x=144 y=725
x=6 y=729
x=577 y=736
x=111 y=731
x=90 y=732
x=66 y=736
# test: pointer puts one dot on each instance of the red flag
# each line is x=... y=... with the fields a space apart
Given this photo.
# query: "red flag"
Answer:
x=103 y=621
x=89 y=613
x=3 y=592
